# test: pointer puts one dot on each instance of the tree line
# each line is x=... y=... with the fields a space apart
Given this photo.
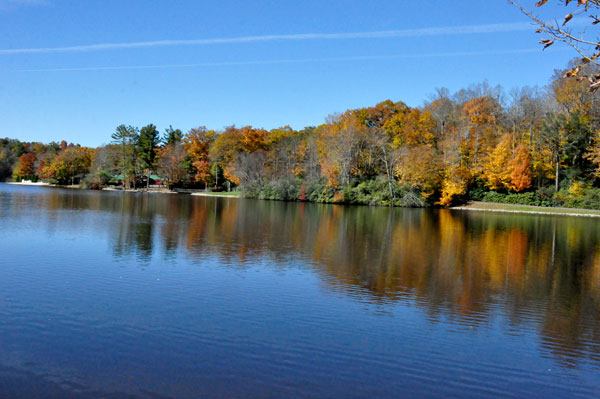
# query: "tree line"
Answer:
x=531 y=145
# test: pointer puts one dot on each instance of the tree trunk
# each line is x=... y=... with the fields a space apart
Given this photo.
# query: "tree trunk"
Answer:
x=216 y=176
x=556 y=177
x=514 y=133
x=387 y=171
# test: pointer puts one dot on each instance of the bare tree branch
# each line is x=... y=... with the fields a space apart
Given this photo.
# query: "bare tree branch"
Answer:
x=586 y=44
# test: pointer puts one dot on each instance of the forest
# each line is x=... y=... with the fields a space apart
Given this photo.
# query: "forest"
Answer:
x=530 y=145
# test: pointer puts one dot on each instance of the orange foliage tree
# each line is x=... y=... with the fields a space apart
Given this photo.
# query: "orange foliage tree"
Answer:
x=520 y=176
x=25 y=168
x=197 y=143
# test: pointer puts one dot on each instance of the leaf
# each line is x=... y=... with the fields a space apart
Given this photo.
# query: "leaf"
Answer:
x=572 y=72
x=539 y=30
x=568 y=17
x=541 y=3
x=547 y=43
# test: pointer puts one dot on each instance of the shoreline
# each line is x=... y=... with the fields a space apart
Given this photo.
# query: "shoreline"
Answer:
x=231 y=194
x=478 y=206
x=217 y=194
x=525 y=209
x=29 y=183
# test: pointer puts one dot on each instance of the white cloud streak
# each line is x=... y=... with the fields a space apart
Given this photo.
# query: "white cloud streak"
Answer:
x=288 y=61
x=405 y=33
x=7 y=3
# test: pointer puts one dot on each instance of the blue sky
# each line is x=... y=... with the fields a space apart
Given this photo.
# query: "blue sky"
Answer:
x=74 y=70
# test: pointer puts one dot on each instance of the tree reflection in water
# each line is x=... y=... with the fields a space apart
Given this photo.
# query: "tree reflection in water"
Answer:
x=541 y=272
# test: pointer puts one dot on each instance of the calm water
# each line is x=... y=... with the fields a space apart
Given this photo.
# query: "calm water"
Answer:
x=113 y=295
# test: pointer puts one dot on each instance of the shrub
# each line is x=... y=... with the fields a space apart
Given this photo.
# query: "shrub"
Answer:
x=528 y=198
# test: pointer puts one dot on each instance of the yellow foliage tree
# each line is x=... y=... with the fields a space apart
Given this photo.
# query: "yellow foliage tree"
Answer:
x=454 y=185
x=593 y=154
x=420 y=169
x=497 y=170
x=411 y=127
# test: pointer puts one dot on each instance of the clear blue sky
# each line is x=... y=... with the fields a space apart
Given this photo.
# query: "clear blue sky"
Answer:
x=359 y=53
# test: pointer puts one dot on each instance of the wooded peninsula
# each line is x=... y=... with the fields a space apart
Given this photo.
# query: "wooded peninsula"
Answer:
x=530 y=146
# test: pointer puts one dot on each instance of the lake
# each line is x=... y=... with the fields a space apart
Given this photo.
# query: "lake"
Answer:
x=130 y=295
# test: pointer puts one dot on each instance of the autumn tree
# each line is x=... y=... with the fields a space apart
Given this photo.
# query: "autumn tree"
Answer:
x=444 y=112
x=520 y=175
x=10 y=151
x=411 y=128
x=579 y=137
x=234 y=141
x=482 y=116
x=287 y=152
x=454 y=184
x=553 y=132
x=197 y=143
x=413 y=140
x=250 y=170
x=25 y=168
x=77 y=161
x=171 y=160
x=421 y=170
x=378 y=115
x=497 y=171
x=70 y=164
x=253 y=139
x=339 y=147
x=105 y=164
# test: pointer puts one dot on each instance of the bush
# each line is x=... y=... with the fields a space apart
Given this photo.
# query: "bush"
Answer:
x=282 y=189
x=586 y=198
x=528 y=198
x=578 y=195
x=478 y=191
x=366 y=192
x=546 y=196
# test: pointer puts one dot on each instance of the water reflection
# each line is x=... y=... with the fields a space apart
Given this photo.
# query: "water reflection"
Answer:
x=536 y=272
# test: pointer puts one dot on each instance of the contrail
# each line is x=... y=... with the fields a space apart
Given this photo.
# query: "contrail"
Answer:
x=421 y=32
x=289 y=61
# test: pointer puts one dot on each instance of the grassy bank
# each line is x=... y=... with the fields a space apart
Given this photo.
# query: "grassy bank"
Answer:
x=538 y=210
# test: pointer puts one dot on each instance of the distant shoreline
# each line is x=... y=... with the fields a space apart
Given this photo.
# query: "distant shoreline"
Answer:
x=28 y=183
x=231 y=194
